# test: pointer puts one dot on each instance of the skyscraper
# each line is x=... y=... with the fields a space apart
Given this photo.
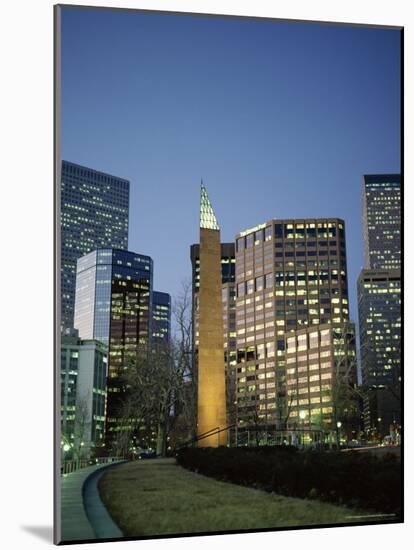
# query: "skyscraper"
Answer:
x=290 y=275
x=113 y=305
x=379 y=301
x=161 y=318
x=94 y=214
x=211 y=408
x=381 y=215
x=379 y=307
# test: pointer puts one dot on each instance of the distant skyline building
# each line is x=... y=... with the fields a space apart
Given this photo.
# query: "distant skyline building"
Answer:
x=379 y=306
x=229 y=315
x=211 y=390
x=83 y=392
x=381 y=215
x=290 y=274
x=113 y=305
x=379 y=301
x=94 y=211
x=161 y=318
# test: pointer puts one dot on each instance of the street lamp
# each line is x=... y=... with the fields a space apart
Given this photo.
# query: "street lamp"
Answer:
x=65 y=448
x=338 y=425
x=302 y=416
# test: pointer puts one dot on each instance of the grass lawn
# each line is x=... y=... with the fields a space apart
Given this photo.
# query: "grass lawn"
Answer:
x=156 y=497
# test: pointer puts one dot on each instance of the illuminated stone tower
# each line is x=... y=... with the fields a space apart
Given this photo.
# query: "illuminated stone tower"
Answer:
x=211 y=372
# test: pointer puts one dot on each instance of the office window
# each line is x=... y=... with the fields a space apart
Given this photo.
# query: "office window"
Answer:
x=268 y=233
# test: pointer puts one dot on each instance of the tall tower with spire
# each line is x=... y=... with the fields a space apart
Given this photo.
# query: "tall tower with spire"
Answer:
x=211 y=410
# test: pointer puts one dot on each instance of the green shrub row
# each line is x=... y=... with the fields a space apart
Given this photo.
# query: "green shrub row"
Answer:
x=359 y=480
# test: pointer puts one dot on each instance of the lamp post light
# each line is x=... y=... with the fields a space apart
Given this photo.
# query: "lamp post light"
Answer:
x=338 y=425
x=65 y=446
x=302 y=416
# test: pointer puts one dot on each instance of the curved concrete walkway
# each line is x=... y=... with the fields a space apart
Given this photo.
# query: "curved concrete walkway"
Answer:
x=83 y=515
x=102 y=523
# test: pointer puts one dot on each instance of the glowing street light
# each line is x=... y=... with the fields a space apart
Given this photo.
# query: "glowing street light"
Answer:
x=338 y=425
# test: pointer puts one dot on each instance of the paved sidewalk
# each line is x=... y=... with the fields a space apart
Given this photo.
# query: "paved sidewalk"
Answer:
x=99 y=517
x=74 y=522
x=75 y=525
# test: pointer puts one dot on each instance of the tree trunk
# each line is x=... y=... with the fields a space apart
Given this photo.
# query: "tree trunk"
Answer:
x=161 y=440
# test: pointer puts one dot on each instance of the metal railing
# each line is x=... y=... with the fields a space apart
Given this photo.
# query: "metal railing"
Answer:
x=210 y=433
x=253 y=437
x=69 y=466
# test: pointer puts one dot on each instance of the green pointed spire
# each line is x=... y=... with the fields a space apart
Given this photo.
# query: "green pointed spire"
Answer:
x=207 y=218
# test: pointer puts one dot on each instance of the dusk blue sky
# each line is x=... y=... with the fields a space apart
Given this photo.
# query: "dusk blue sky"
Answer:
x=280 y=120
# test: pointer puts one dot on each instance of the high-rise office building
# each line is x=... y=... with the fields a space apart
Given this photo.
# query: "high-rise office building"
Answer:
x=381 y=215
x=229 y=315
x=379 y=301
x=161 y=318
x=379 y=307
x=113 y=305
x=320 y=376
x=94 y=213
x=290 y=275
x=83 y=392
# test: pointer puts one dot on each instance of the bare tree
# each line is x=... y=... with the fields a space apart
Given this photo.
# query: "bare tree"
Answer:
x=288 y=408
x=169 y=370
x=345 y=395
x=132 y=402
x=253 y=417
x=186 y=396
x=82 y=427
x=159 y=388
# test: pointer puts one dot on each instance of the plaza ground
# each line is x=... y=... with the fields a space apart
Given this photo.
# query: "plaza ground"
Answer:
x=157 y=497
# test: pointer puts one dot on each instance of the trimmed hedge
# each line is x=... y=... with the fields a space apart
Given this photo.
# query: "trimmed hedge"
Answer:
x=359 y=480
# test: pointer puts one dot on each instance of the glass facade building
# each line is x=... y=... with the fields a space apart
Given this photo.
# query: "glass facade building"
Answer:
x=94 y=209
x=379 y=307
x=379 y=301
x=290 y=275
x=83 y=393
x=381 y=214
x=113 y=305
x=161 y=318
